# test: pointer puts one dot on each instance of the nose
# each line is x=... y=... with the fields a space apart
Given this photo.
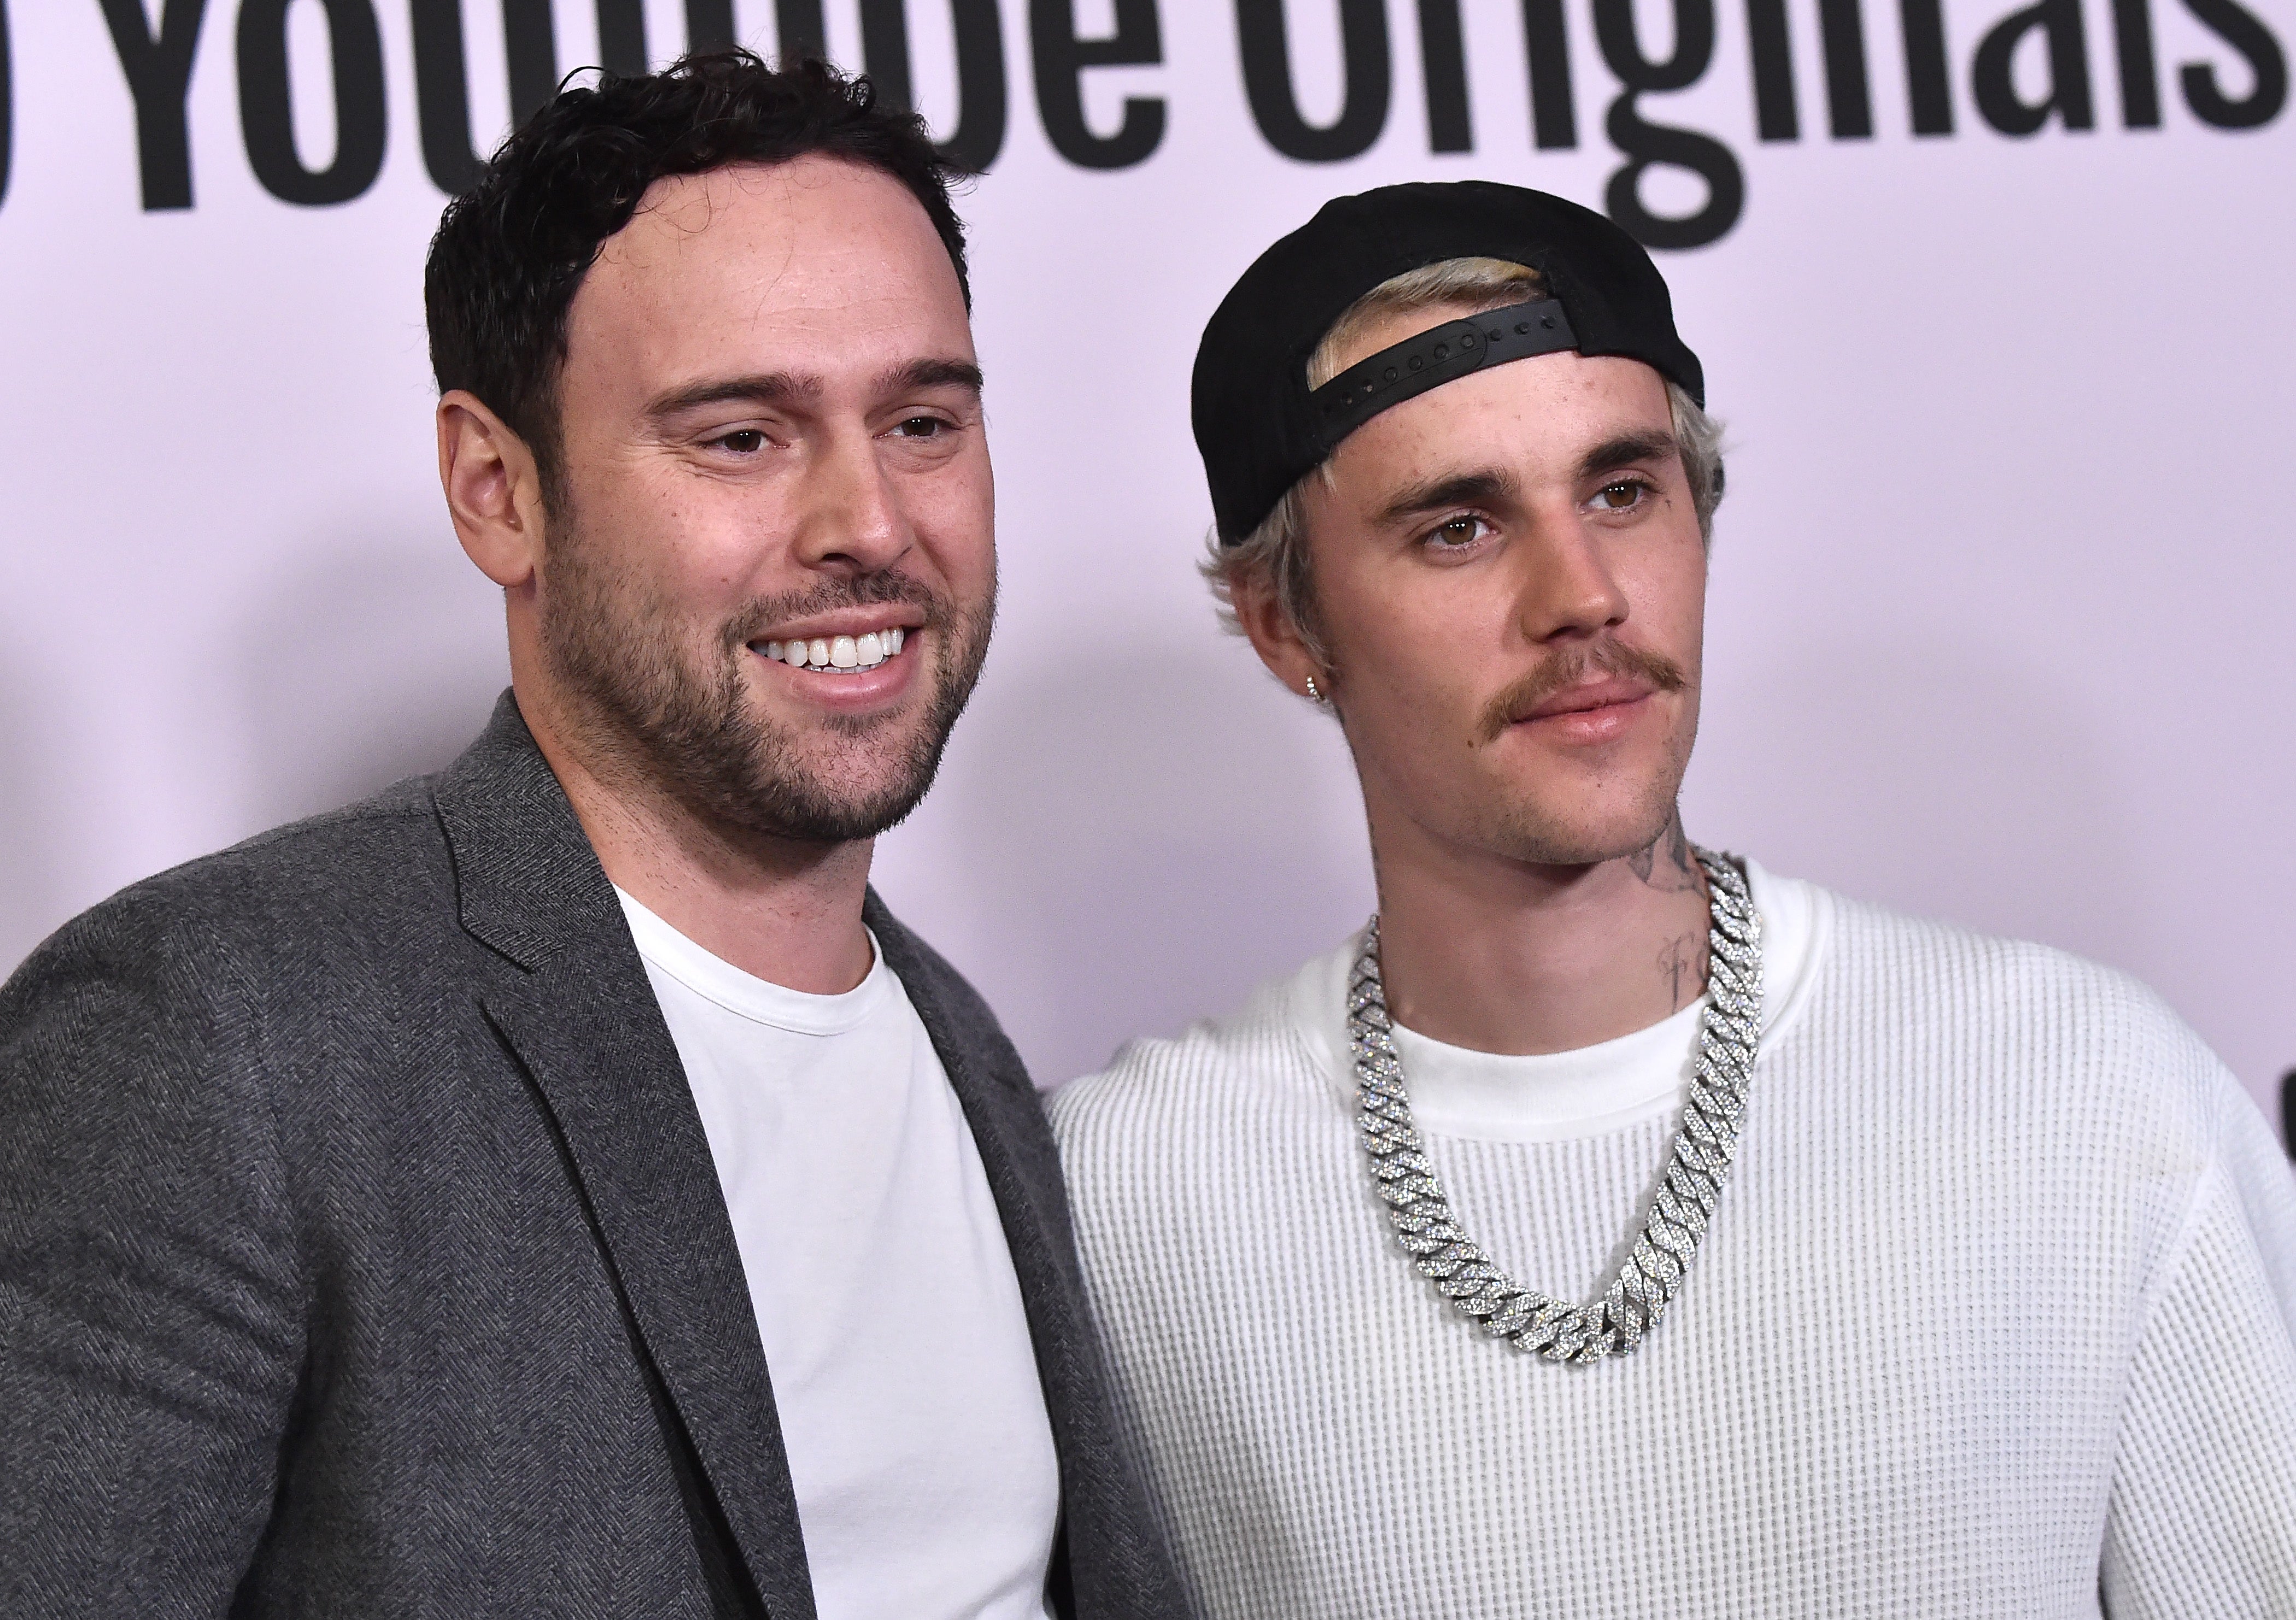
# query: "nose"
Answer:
x=1569 y=589
x=852 y=522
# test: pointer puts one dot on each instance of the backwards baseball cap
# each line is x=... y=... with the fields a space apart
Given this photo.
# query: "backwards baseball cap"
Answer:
x=1260 y=427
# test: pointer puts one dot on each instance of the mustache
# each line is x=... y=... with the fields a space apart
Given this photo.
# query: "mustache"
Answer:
x=866 y=590
x=1566 y=670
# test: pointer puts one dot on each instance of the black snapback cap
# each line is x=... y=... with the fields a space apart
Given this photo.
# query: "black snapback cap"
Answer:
x=1260 y=429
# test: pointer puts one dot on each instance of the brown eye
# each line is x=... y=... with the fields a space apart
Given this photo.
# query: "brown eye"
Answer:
x=745 y=441
x=1457 y=532
x=1618 y=498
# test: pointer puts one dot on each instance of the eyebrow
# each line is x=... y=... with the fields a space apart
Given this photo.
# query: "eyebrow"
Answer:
x=949 y=372
x=1618 y=451
x=759 y=388
x=785 y=388
x=1478 y=488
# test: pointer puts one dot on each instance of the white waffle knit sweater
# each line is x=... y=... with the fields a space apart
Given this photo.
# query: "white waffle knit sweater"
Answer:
x=1996 y=1315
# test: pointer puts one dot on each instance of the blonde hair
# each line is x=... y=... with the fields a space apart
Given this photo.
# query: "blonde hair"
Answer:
x=1275 y=554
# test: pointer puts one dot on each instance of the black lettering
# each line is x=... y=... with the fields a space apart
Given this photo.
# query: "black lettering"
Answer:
x=797 y=27
x=1622 y=48
x=1443 y=66
x=7 y=105
x=1996 y=88
x=1645 y=144
x=2140 y=74
x=2245 y=31
x=442 y=99
x=1929 y=86
x=1267 y=52
x=885 y=51
x=709 y=24
x=1849 y=102
x=266 y=103
x=530 y=41
x=1771 y=49
x=1061 y=59
x=621 y=36
x=980 y=133
x=158 y=72
x=442 y=96
x=1554 y=114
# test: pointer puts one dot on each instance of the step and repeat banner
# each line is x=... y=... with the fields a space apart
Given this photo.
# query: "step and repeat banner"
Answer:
x=1994 y=299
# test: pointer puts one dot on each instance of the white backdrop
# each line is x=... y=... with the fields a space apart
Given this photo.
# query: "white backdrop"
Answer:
x=2000 y=625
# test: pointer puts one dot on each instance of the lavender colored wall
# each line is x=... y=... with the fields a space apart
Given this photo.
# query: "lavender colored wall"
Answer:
x=2000 y=614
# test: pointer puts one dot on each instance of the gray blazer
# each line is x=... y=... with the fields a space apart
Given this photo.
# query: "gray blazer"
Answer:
x=361 y=1251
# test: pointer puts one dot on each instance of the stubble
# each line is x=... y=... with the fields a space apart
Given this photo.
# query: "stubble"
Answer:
x=677 y=710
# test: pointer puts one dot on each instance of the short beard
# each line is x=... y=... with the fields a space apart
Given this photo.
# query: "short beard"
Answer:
x=685 y=722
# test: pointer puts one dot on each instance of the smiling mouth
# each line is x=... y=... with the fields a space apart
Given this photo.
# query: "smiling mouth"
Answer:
x=836 y=654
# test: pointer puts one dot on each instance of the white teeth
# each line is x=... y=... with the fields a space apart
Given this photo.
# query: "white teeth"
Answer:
x=838 y=652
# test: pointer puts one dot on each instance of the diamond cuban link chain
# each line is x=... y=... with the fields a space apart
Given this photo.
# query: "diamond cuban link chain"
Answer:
x=1614 y=1323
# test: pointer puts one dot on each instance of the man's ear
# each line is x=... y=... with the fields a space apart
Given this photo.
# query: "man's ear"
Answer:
x=494 y=490
x=1273 y=636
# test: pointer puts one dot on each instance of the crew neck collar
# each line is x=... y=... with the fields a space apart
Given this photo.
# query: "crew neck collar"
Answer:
x=744 y=994
x=1589 y=1091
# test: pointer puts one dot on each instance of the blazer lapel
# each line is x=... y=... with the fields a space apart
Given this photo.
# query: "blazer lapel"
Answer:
x=582 y=1019
x=1016 y=1148
x=1110 y=1560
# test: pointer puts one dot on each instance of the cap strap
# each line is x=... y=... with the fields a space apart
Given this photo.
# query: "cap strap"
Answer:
x=1433 y=357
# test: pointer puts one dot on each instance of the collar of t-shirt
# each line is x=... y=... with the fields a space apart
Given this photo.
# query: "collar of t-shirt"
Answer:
x=746 y=996
x=1589 y=1091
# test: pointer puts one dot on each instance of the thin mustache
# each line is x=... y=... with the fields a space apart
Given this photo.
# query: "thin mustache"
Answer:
x=1566 y=670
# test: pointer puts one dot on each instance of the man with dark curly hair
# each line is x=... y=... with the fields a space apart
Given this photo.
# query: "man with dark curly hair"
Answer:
x=558 y=1186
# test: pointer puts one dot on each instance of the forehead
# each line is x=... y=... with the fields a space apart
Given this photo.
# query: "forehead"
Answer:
x=1544 y=413
x=814 y=254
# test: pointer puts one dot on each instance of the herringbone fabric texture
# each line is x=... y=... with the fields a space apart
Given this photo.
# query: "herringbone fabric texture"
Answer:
x=361 y=1254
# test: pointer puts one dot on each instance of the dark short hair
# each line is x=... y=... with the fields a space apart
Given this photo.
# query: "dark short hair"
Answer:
x=512 y=252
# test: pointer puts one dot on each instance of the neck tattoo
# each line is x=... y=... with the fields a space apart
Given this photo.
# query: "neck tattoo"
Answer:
x=1615 y=1322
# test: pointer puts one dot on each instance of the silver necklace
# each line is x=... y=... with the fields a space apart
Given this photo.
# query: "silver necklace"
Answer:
x=1615 y=1321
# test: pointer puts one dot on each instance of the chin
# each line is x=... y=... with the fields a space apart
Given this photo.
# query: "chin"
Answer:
x=1552 y=833
x=804 y=811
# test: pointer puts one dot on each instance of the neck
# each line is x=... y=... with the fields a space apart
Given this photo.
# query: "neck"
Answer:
x=784 y=910
x=1502 y=955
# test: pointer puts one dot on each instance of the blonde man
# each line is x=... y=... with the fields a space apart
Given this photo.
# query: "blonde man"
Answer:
x=1614 y=1227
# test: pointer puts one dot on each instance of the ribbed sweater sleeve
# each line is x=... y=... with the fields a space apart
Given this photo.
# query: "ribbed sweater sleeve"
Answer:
x=2203 y=1519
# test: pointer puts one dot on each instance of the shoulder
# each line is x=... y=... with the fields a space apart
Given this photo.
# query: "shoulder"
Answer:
x=2051 y=1002
x=176 y=1021
x=2086 y=1056
x=286 y=900
x=1271 y=1051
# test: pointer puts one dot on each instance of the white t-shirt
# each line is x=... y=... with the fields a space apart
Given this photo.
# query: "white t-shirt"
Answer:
x=1557 y=1097
x=902 y=1368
